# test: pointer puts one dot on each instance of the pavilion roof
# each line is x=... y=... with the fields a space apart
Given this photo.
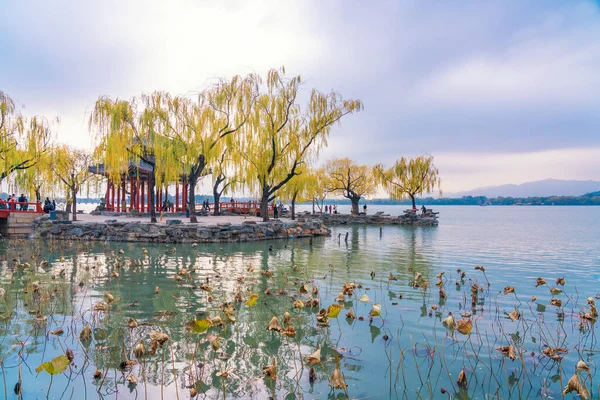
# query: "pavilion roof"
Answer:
x=135 y=168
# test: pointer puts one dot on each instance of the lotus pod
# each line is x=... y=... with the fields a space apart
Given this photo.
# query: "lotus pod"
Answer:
x=465 y=326
x=540 y=282
x=289 y=332
x=299 y=304
x=582 y=366
x=364 y=298
x=314 y=358
x=574 y=385
x=337 y=380
x=515 y=315
x=509 y=289
x=340 y=297
x=462 y=378
x=274 y=325
x=86 y=333
x=322 y=318
x=271 y=370
x=139 y=350
x=287 y=317
x=157 y=339
x=449 y=322
x=375 y=311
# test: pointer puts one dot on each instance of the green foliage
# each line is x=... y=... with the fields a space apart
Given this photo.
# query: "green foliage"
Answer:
x=281 y=136
x=350 y=180
x=22 y=140
x=57 y=366
x=409 y=177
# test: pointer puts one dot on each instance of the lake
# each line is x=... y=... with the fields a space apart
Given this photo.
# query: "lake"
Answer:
x=402 y=351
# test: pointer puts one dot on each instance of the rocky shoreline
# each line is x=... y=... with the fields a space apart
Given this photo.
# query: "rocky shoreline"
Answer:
x=174 y=231
x=409 y=217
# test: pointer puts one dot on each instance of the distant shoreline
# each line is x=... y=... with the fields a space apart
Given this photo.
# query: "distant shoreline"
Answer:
x=590 y=199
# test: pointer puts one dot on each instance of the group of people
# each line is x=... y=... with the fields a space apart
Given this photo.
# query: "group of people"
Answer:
x=14 y=203
x=277 y=209
x=49 y=205
x=331 y=209
x=206 y=205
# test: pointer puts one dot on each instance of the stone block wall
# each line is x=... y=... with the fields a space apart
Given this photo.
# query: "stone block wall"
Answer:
x=175 y=231
x=409 y=217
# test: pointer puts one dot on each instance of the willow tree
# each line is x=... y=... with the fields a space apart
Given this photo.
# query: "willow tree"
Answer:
x=22 y=140
x=71 y=168
x=224 y=179
x=409 y=177
x=130 y=132
x=203 y=130
x=298 y=189
x=280 y=135
x=350 y=180
x=317 y=188
x=38 y=179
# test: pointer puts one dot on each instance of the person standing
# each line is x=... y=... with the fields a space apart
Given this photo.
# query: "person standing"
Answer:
x=275 y=211
x=365 y=208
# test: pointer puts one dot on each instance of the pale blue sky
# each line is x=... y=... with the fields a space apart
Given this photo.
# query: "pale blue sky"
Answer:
x=498 y=91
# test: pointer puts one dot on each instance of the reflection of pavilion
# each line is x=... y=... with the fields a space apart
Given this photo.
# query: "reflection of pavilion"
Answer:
x=136 y=178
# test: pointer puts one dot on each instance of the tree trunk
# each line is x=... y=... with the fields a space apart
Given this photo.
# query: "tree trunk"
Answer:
x=68 y=208
x=217 y=198
x=354 y=201
x=152 y=194
x=195 y=173
x=217 y=194
x=264 y=204
x=313 y=206
x=412 y=197
x=38 y=195
x=294 y=206
x=192 y=179
x=74 y=205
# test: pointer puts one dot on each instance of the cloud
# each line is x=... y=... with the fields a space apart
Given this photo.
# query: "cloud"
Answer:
x=479 y=79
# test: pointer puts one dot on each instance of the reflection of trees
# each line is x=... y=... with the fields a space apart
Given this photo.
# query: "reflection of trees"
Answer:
x=246 y=347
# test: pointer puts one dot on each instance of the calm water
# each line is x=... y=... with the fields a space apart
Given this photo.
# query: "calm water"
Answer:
x=404 y=353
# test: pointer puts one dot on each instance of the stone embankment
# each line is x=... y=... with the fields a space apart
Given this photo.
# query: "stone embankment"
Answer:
x=409 y=217
x=174 y=231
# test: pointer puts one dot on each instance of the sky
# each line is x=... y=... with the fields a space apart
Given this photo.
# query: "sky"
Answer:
x=497 y=91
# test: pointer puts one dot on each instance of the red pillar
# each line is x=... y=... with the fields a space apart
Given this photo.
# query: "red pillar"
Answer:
x=184 y=198
x=142 y=183
x=132 y=194
x=176 y=196
x=112 y=196
x=124 y=184
x=107 y=193
x=158 y=198
x=149 y=195
x=118 y=198
x=137 y=195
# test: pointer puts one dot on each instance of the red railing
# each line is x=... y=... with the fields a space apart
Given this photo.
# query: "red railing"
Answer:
x=8 y=207
x=243 y=207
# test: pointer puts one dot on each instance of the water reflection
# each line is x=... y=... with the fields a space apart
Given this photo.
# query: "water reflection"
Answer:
x=404 y=352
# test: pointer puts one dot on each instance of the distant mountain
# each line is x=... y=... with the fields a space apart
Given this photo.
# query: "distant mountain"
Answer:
x=545 y=188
